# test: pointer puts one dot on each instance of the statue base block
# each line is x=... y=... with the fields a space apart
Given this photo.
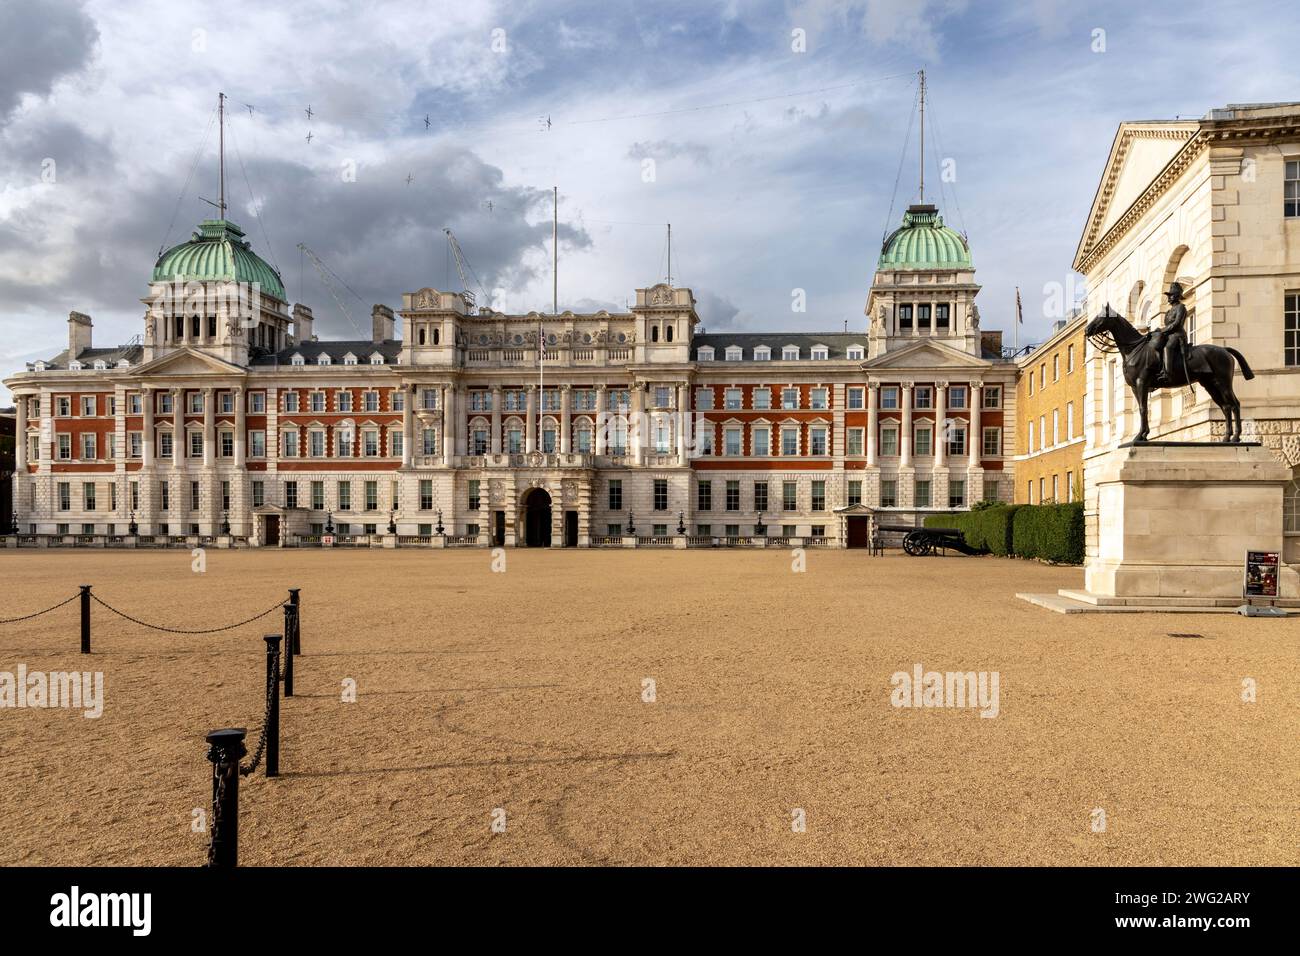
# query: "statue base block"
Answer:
x=1173 y=522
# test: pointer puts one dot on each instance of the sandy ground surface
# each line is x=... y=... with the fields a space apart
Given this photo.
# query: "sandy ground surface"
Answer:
x=523 y=691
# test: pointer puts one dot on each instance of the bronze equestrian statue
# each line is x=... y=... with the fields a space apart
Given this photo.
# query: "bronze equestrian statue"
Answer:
x=1163 y=359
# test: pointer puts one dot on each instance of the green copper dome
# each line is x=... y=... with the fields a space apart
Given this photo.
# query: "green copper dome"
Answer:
x=218 y=250
x=924 y=242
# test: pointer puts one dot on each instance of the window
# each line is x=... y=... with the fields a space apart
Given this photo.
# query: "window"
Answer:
x=164 y=496
x=65 y=496
x=762 y=353
x=734 y=398
x=257 y=444
x=957 y=493
x=429 y=398
x=1042 y=376
x=615 y=494
x=661 y=494
x=548 y=439
x=992 y=396
x=227 y=400
x=820 y=353
x=62 y=406
x=370 y=443
x=289 y=445
x=196 y=443
x=343 y=402
x=923 y=440
x=88 y=495
x=734 y=353
x=87 y=446
x=704 y=353
x=1291 y=189
x=992 y=490
x=318 y=495
x=1042 y=431
x=428 y=441
x=889 y=441
x=817 y=438
x=921 y=493
x=855 y=492
x=790 y=353
x=290 y=401
x=164 y=404
x=1056 y=426
x=992 y=442
x=957 y=440
x=905 y=318
x=195 y=402
x=662 y=399
x=957 y=396
x=195 y=496
x=854 y=440
x=474 y=500
x=135 y=445
x=855 y=397
x=855 y=353
x=704 y=398
x=731 y=530
x=259 y=493
x=65 y=446
x=703 y=435
x=480 y=400
x=789 y=398
x=790 y=440
x=1291 y=319
x=941 y=314
x=704 y=530
x=316 y=443
x=760 y=496
x=923 y=317
x=789 y=496
x=731 y=441
x=889 y=396
x=397 y=401
x=134 y=404
x=1056 y=488
x=515 y=442
x=761 y=399
x=345 y=495
x=479 y=442
x=426 y=494
x=1042 y=490
x=819 y=495
x=923 y=397
x=704 y=496
x=582 y=439
x=1056 y=367
x=1069 y=359
x=733 y=495
x=889 y=492
x=165 y=444
x=87 y=406
x=1031 y=383
x=227 y=444
x=818 y=398
x=396 y=443
x=257 y=402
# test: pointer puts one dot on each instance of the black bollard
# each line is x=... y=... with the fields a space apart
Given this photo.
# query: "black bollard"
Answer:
x=273 y=705
x=297 y=620
x=290 y=627
x=225 y=750
x=85 y=618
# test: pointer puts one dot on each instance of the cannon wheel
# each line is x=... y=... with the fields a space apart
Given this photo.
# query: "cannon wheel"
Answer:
x=916 y=544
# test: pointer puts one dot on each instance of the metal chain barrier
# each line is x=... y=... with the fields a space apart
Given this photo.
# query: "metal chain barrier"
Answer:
x=28 y=617
x=181 y=630
x=218 y=802
x=245 y=770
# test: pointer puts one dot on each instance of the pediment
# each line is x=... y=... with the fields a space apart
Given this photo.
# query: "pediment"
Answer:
x=188 y=362
x=1138 y=154
x=926 y=354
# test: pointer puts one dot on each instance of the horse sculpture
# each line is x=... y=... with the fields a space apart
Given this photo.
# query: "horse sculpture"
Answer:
x=1209 y=366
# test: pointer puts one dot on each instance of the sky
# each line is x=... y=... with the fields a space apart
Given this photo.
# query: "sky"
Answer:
x=778 y=138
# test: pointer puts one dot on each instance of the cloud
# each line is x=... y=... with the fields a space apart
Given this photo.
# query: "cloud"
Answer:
x=39 y=44
x=660 y=150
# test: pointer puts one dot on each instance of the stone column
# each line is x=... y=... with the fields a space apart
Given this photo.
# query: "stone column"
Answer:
x=940 y=428
x=449 y=429
x=530 y=425
x=496 y=419
x=408 y=425
x=873 y=421
x=683 y=410
x=178 y=428
x=905 y=432
x=147 y=398
x=460 y=421
x=241 y=428
x=602 y=421
x=636 y=436
x=209 y=427
x=974 y=436
x=566 y=430
x=20 y=438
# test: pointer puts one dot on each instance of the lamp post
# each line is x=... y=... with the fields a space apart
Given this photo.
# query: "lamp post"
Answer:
x=132 y=528
x=392 y=523
x=631 y=527
x=329 y=522
x=225 y=522
x=681 y=523
x=440 y=529
x=760 y=529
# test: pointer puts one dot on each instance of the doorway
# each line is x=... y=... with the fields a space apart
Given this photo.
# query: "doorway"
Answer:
x=858 y=532
x=499 y=528
x=571 y=529
x=537 y=518
x=271 y=539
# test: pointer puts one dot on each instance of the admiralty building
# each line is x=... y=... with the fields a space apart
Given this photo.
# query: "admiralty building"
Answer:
x=228 y=419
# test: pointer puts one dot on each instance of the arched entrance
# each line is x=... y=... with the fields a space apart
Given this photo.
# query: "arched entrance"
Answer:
x=536 y=507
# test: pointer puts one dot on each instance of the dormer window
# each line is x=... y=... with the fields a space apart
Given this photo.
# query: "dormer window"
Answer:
x=74 y=365
x=856 y=353
x=704 y=353
x=376 y=359
x=735 y=353
x=790 y=353
x=762 y=353
x=322 y=359
x=123 y=363
x=820 y=353
x=349 y=359
x=40 y=366
x=297 y=360
x=100 y=365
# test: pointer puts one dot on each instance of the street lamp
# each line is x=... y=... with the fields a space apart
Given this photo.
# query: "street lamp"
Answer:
x=440 y=529
x=392 y=524
x=681 y=523
x=631 y=528
x=329 y=522
x=225 y=522
x=132 y=528
x=760 y=529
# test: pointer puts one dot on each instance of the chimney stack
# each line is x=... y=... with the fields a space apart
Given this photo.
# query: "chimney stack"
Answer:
x=302 y=324
x=381 y=324
x=79 y=326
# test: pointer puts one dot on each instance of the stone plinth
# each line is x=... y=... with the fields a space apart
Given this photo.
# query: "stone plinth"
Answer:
x=1174 y=521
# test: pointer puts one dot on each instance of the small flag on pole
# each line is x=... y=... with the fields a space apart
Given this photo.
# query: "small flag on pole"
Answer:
x=1020 y=312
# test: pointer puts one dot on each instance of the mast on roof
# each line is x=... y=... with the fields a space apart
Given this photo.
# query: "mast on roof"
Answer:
x=923 y=135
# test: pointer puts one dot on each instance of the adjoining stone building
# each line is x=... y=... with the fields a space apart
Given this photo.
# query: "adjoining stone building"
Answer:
x=1049 y=422
x=1214 y=204
x=230 y=413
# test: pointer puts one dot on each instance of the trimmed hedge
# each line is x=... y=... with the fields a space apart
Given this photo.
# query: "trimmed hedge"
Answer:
x=1048 y=532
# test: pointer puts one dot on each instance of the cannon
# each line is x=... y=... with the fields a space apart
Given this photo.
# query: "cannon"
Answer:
x=922 y=541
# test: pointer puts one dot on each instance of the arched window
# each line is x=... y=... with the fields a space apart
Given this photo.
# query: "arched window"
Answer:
x=421 y=336
x=668 y=333
x=435 y=335
x=1291 y=503
x=654 y=333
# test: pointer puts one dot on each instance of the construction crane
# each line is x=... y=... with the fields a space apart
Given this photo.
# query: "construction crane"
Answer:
x=328 y=278
x=462 y=266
